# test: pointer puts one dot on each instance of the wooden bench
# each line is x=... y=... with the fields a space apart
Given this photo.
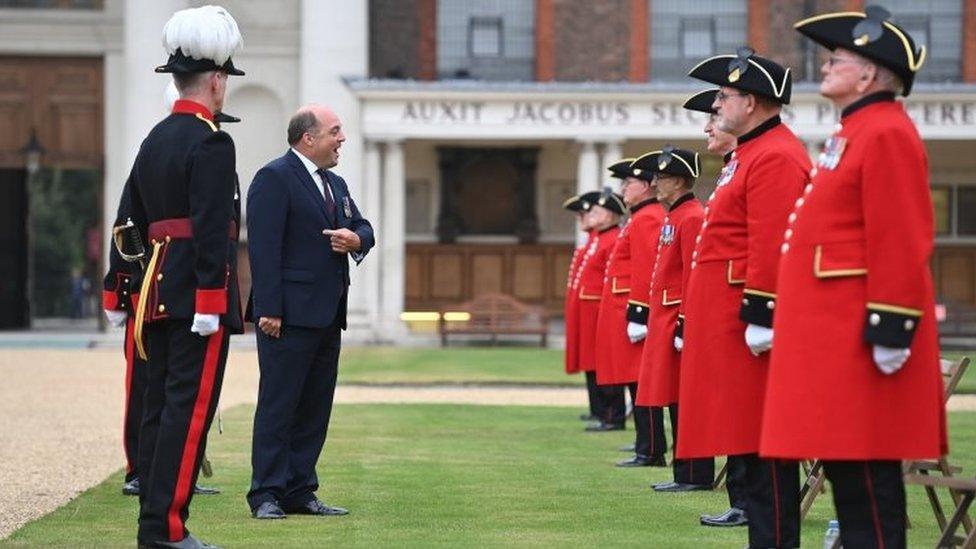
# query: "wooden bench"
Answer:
x=494 y=315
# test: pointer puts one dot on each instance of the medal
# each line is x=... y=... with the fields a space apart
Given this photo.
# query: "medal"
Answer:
x=667 y=234
x=833 y=150
x=727 y=172
x=346 y=207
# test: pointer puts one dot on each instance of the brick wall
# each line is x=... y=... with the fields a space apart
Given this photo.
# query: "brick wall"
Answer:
x=394 y=38
x=591 y=40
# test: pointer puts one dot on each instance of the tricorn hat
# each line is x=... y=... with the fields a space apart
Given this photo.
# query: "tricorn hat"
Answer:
x=576 y=204
x=621 y=168
x=748 y=72
x=669 y=160
x=607 y=199
x=702 y=101
x=871 y=35
x=200 y=40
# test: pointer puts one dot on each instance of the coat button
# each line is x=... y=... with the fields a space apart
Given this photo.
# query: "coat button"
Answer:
x=792 y=218
x=909 y=324
x=153 y=241
x=808 y=188
x=784 y=248
x=159 y=276
x=693 y=264
x=167 y=238
x=799 y=202
x=745 y=302
x=770 y=304
x=640 y=309
x=788 y=234
x=162 y=308
x=874 y=319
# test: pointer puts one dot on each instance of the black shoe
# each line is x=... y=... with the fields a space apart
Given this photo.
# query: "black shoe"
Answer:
x=316 y=507
x=680 y=487
x=732 y=517
x=131 y=488
x=658 y=461
x=189 y=542
x=268 y=510
x=628 y=448
x=205 y=490
x=636 y=461
x=588 y=417
x=604 y=427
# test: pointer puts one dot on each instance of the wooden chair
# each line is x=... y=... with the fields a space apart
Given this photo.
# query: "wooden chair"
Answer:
x=952 y=373
x=963 y=491
x=494 y=315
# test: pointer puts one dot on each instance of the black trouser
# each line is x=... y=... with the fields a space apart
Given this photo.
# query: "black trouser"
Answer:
x=689 y=471
x=649 y=439
x=595 y=394
x=298 y=379
x=615 y=404
x=870 y=500
x=735 y=482
x=135 y=392
x=773 y=501
x=185 y=375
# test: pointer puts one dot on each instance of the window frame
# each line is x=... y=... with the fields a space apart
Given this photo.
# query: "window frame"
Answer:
x=496 y=20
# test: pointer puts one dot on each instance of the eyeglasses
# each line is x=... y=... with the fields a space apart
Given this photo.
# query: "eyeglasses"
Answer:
x=722 y=96
x=834 y=60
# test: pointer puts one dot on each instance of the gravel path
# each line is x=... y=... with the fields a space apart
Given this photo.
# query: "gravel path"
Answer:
x=61 y=417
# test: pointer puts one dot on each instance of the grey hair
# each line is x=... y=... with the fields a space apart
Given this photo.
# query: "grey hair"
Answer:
x=303 y=122
x=888 y=79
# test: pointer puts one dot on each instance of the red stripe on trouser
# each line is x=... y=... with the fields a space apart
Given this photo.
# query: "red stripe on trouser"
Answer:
x=194 y=434
x=129 y=359
x=874 y=506
x=772 y=468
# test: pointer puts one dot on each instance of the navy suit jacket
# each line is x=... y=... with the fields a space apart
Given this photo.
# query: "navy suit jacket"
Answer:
x=295 y=275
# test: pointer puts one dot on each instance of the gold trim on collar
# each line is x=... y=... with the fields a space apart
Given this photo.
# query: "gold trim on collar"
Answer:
x=832 y=273
x=894 y=309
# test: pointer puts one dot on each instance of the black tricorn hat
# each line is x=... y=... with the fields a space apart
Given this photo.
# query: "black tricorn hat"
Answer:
x=576 y=204
x=179 y=63
x=224 y=118
x=871 y=35
x=669 y=160
x=606 y=198
x=748 y=72
x=621 y=168
x=702 y=101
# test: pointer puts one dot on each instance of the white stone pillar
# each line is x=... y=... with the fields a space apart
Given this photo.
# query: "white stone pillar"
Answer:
x=612 y=152
x=371 y=208
x=587 y=166
x=116 y=161
x=392 y=249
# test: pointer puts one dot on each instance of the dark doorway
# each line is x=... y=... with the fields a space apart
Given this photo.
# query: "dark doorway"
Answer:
x=13 y=250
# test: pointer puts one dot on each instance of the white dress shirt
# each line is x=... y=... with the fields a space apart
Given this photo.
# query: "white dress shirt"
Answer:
x=313 y=170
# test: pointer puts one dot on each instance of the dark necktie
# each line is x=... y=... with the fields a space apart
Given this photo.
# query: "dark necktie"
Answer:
x=330 y=206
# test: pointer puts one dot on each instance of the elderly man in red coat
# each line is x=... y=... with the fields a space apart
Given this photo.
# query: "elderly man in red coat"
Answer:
x=855 y=378
x=622 y=325
x=732 y=288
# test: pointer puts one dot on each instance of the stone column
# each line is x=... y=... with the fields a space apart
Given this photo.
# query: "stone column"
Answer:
x=372 y=210
x=612 y=152
x=587 y=165
x=392 y=253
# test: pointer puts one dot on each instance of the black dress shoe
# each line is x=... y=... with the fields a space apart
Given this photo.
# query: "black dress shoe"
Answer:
x=732 y=517
x=680 y=487
x=604 y=427
x=268 y=510
x=189 y=542
x=658 y=461
x=588 y=417
x=205 y=490
x=316 y=507
x=636 y=461
x=131 y=488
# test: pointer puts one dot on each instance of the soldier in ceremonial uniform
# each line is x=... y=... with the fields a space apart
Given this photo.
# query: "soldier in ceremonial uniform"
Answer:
x=571 y=361
x=675 y=172
x=854 y=378
x=719 y=142
x=622 y=325
x=731 y=291
x=182 y=199
x=603 y=218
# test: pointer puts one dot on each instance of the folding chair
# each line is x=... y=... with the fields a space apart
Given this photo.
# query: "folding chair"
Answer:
x=965 y=490
x=719 y=482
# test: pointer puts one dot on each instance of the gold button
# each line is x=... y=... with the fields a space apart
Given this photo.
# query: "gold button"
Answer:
x=874 y=319
x=162 y=308
x=159 y=276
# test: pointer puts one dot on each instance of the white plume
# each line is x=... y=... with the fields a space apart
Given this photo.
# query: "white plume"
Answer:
x=207 y=32
x=170 y=96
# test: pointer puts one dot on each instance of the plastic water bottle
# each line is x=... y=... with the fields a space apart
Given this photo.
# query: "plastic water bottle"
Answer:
x=833 y=532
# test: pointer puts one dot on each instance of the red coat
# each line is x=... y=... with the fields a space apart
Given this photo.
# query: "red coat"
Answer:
x=855 y=273
x=733 y=274
x=571 y=307
x=658 y=381
x=589 y=287
x=628 y=279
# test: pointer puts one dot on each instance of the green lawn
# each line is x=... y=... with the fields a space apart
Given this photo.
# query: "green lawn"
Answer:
x=450 y=476
x=454 y=365
x=968 y=383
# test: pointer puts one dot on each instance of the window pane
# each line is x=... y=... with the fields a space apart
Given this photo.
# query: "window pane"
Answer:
x=683 y=32
x=966 y=211
x=697 y=38
x=942 y=202
x=486 y=37
x=936 y=24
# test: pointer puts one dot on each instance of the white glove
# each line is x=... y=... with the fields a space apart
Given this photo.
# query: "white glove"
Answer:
x=679 y=344
x=205 y=324
x=116 y=318
x=889 y=359
x=759 y=339
x=636 y=331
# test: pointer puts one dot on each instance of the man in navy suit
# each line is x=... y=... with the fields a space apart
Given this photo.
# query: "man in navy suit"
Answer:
x=302 y=227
